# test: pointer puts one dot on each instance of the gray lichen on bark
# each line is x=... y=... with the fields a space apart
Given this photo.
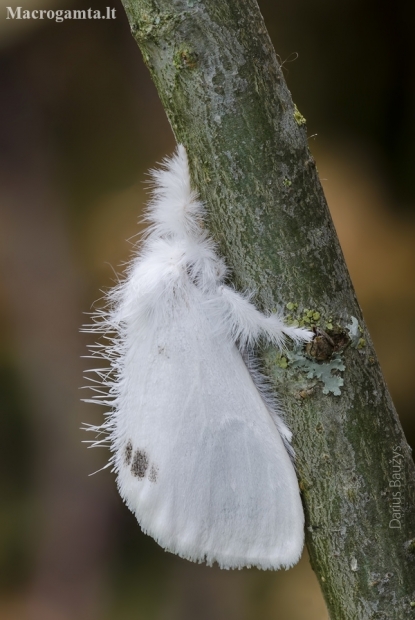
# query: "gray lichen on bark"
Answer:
x=227 y=101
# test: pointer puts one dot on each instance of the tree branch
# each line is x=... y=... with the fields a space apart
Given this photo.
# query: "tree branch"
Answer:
x=225 y=96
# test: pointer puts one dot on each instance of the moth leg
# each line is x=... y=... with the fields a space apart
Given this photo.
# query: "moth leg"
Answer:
x=247 y=323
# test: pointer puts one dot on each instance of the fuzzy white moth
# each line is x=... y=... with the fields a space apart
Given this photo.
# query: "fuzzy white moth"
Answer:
x=200 y=451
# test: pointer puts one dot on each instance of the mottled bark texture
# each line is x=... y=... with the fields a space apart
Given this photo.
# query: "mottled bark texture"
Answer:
x=225 y=96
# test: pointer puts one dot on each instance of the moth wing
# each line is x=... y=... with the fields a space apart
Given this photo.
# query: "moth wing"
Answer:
x=200 y=461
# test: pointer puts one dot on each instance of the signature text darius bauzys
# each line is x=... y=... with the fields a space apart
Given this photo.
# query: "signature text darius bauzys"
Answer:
x=60 y=15
x=397 y=483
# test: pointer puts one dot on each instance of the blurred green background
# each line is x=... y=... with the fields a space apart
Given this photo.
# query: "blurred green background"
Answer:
x=80 y=123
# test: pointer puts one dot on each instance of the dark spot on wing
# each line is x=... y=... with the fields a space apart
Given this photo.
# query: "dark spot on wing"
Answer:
x=140 y=464
x=163 y=351
x=153 y=475
x=128 y=452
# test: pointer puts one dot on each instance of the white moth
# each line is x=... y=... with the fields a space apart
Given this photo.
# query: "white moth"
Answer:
x=200 y=451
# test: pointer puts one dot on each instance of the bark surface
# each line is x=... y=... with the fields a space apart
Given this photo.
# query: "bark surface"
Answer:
x=225 y=96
